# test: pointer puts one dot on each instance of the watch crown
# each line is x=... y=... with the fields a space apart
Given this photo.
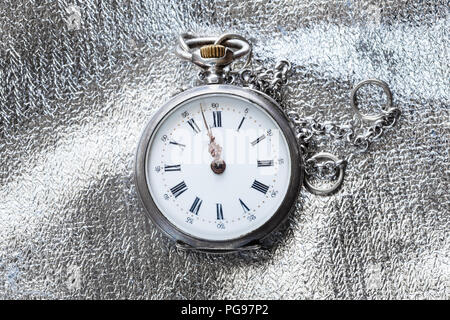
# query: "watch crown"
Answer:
x=212 y=51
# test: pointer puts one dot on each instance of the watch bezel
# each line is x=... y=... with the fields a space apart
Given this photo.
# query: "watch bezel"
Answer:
x=295 y=182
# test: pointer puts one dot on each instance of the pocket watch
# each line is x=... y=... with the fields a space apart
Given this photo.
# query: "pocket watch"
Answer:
x=220 y=166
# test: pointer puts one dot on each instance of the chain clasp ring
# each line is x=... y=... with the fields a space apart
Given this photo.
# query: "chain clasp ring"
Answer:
x=326 y=191
x=372 y=117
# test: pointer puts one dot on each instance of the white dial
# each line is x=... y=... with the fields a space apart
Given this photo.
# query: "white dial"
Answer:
x=218 y=167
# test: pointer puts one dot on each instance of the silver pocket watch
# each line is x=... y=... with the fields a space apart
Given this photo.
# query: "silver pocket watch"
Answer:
x=220 y=166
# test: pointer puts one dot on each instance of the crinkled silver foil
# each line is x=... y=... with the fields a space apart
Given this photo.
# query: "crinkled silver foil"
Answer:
x=79 y=81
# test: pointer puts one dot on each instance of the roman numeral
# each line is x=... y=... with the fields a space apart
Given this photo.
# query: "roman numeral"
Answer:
x=217 y=117
x=176 y=167
x=261 y=187
x=179 y=189
x=177 y=144
x=244 y=206
x=219 y=211
x=258 y=140
x=265 y=163
x=193 y=125
x=240 y=124
x=196 y=205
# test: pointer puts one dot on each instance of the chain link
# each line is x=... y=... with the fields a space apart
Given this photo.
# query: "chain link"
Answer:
x=270 y=81
x=308 y=128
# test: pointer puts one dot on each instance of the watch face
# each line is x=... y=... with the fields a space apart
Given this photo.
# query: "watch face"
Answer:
x=217 y=166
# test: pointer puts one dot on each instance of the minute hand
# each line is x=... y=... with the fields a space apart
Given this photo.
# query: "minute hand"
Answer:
x=214 y=149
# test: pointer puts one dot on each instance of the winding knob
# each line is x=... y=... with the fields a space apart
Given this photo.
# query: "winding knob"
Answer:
x=212 y=51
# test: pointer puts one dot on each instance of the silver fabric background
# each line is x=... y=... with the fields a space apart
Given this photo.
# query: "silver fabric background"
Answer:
x=79 y=81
